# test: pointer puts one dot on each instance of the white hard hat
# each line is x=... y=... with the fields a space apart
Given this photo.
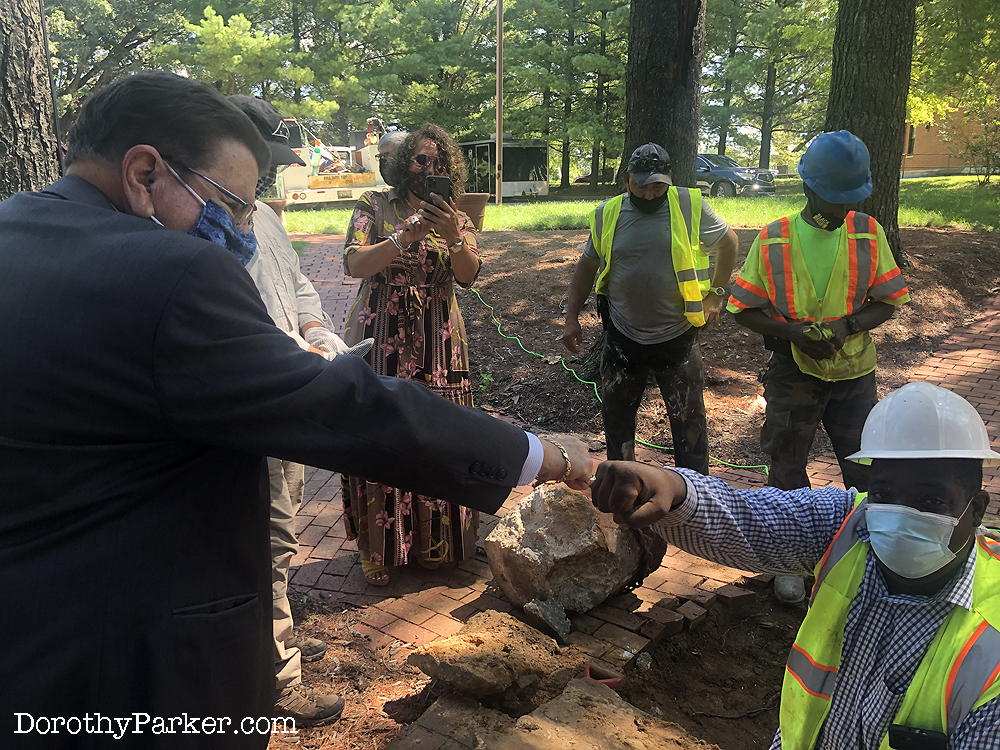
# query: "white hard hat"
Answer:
x=921 y=420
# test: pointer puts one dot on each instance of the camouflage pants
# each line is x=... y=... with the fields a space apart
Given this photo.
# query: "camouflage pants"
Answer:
x=796 y=404
x=676 y=366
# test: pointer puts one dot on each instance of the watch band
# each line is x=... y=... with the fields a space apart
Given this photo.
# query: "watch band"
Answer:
x=454 y=248
x=720 y=291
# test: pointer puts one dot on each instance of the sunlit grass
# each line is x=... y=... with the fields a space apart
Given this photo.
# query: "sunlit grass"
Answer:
x=924 y=202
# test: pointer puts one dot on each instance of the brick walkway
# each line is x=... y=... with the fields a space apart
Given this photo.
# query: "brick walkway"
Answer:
x=421 y=606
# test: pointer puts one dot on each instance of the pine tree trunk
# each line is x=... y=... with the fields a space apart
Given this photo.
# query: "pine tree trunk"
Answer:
x=872 y=51
x=27 y=141
x=663 y=80
x=767 y=118
x=727 y=101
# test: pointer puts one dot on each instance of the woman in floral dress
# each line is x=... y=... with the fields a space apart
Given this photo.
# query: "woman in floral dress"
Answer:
x=409 y=247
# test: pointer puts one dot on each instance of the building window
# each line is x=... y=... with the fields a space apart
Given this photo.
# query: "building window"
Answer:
x=912 y=141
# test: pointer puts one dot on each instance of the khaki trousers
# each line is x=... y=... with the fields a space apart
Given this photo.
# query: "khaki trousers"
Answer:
x=287 y=482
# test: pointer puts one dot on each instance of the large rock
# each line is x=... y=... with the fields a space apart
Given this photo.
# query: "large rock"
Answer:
x=587 y=715
x=494 y=652
x=555 y=545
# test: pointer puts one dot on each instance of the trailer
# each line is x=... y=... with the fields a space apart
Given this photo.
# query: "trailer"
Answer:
x=299 y=186
x=525 y=166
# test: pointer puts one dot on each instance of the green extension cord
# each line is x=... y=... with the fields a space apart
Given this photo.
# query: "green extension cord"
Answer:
x=562 y=361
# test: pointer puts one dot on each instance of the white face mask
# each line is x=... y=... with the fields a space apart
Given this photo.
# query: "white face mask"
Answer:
x=910 y=543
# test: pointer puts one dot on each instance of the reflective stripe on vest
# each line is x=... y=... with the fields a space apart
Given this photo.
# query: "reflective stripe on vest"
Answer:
x=960 y=671
x=691 y=263
x=976 y=668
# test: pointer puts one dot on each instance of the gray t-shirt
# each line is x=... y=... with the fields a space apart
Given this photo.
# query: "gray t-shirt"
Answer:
x=643 y=295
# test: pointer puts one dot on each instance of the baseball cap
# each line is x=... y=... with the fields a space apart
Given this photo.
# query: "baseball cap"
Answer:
x=271 y=125
x=649 y=163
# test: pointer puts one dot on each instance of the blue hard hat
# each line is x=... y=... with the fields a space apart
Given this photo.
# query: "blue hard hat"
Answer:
x=837 y=167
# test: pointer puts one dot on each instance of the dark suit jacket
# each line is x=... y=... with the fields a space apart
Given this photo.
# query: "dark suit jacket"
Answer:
x=141 y=382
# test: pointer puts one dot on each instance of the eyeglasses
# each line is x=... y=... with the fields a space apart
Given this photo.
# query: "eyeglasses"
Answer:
x=422 y=160
x=241 y=218
x=648 y=164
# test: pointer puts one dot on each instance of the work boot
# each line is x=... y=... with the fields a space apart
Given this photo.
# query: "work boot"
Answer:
x=310 y=649
x=292 y=704
x=790 y=589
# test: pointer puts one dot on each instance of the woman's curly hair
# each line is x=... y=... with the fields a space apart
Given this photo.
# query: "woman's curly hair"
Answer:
x=452 y=161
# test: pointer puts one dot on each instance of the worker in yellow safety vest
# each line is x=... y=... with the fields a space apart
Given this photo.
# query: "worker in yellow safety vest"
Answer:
x=814 y=284
x=655 y=293
x=900 y=647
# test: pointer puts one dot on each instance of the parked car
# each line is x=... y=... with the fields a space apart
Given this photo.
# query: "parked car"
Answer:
x=725 y=177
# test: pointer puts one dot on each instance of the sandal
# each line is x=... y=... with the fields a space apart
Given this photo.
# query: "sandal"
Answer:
x=375 y=574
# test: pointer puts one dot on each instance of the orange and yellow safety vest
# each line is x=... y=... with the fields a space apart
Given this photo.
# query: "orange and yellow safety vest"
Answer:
x=959 y=673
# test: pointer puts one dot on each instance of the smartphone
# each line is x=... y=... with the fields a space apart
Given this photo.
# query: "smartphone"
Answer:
x=440 y=184
x=908 y=738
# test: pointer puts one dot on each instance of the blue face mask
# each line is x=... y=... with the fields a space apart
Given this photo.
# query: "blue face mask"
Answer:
x=908 y=542
x=216 y=225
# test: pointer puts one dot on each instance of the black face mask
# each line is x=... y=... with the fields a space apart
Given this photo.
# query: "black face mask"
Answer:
x=266 y=182
x=824 y=220
x=414 y=183
x=647 y=205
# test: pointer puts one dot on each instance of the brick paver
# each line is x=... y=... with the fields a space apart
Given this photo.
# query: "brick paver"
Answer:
x=420 y=605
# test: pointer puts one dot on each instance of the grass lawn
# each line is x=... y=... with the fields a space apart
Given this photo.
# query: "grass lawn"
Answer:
x=924 y=202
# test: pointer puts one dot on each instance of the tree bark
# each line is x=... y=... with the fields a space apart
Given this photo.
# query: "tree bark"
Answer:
x=595 y=156
x=28 y=158
x=727 y=101
x=872 y=52
x=767 y=117
x=663 y=80
x=568 y=101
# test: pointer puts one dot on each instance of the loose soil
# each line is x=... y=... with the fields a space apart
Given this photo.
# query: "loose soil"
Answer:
x=525 y=278
x=722 y=681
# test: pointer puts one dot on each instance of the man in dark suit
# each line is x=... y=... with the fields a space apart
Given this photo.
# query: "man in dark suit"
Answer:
x=141 y=384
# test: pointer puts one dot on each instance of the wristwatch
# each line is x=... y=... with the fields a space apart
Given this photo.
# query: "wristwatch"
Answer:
x=720 y=291
x=853 y=326
x=456 y=247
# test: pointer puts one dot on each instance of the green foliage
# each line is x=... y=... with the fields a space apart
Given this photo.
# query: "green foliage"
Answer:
x=767 y=72
x=93 y=42
x=956 y=78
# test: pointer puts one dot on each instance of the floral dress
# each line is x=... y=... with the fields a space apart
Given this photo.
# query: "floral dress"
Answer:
x=410 y=309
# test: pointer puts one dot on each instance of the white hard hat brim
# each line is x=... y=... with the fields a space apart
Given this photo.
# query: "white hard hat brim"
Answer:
x=989 y=457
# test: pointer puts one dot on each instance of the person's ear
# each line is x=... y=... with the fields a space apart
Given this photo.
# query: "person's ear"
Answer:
x=979 y=502
x=142 y=168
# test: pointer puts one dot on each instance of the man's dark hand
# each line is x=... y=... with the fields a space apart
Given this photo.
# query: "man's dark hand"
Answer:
x=808 y=346
x=840 y=332
x=637 y=494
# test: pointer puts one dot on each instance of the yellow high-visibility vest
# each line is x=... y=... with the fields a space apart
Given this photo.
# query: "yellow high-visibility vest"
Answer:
x=959 y=673
x=690 y=261
x=792 y=296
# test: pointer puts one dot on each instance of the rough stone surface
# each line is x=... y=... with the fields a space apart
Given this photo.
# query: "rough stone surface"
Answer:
x=555 y=545
x=587 y=716
x=550 y=618
x=494 y=653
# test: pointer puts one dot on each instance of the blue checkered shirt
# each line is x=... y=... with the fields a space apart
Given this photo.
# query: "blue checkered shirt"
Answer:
x=885 y=637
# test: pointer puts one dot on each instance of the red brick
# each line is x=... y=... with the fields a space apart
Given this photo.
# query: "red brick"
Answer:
x=624 y=639
x=377 y=618
x=704 y=599
x=735 y=599
x=407 y=610
x=693 y=614
x=585 y=623
x=588 y=643
x=377 y=638
x=328 y=547
x=410 y=633
x=330 y=583
x=618 y=617
x=443 y=625
x=308 y=574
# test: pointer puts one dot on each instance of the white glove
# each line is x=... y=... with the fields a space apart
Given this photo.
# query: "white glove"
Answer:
x=326 y=341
